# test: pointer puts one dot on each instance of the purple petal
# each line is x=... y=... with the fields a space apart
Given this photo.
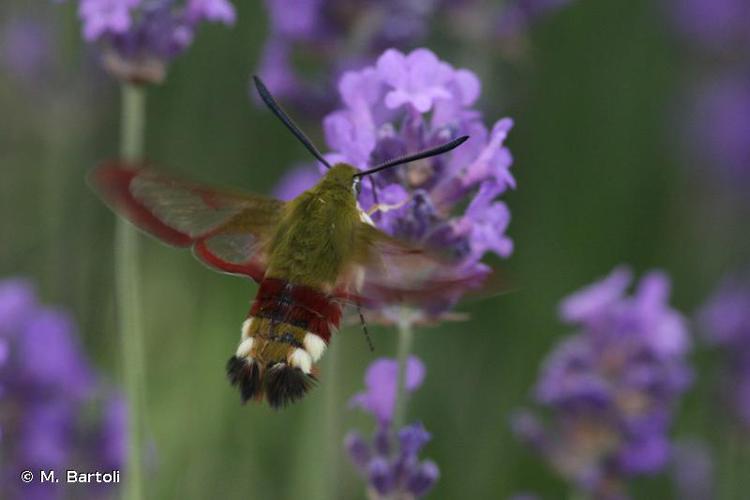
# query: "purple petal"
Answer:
x=588 y=303
x=412 y=439
x=358 y=450
x=52 y=357
x=210 y=10
x=17 y=305
x=381 y=476
x=379 y=399
x=421 y=481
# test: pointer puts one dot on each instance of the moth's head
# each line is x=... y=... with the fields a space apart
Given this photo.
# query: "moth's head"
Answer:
x=342 y=176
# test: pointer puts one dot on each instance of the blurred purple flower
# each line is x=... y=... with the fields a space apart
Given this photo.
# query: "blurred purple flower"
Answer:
x=140 y=37
x=379 y=398
x=725 y=320
x=611 y=387
x=390 y=461
x=720 y=126
x=406 y=103
x=46 y=389
x=713 y=25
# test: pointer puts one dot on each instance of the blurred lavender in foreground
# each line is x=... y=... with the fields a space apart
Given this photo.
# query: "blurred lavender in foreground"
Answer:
x=612 y=387
x=140 y=37
x=407 y=103
x=725 y=320
x=390 y=461
x=48 y=394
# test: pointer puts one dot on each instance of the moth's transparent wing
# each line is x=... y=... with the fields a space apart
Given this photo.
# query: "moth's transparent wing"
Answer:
x=396 y=272
x=227 y=230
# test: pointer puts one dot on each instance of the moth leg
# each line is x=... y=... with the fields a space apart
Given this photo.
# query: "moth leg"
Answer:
x=364 y=327
x=384 y=207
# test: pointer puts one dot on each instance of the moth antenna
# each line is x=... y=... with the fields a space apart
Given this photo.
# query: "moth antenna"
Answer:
x=444 y=148
x=364 y=328
x=277 y=110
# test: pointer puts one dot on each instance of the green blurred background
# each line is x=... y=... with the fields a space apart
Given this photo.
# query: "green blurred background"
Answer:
x=599 y=185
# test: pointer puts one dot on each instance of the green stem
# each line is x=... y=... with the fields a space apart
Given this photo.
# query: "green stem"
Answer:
x=576 y=494
x=129 y=317
x=405 y=342
x=332 y=443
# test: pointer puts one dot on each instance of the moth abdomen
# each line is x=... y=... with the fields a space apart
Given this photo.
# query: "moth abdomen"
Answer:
x=286 y=332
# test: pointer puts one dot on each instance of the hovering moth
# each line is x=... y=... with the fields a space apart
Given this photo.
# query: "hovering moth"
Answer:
x=311 y=256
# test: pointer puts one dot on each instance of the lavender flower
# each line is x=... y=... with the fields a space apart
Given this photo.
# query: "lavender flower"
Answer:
x=46 y=383
x=390 y=462
x=725 y=320
x=611 y=388
x=406 y=103
x=139 y=37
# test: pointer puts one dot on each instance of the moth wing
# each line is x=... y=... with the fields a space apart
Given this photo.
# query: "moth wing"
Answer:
x=227 y=230
x=398 y=272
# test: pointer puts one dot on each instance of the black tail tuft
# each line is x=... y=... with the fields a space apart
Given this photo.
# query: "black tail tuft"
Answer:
x=284 y=384
x=244 y=374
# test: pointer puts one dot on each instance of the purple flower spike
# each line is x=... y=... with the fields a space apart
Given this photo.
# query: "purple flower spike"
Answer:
x=390 y=463
x=140 y=37
x=379 y=398
x=47 y=382
x=409 y=102
x=611 y=387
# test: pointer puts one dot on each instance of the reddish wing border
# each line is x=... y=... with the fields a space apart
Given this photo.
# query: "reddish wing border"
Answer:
x=112 y=181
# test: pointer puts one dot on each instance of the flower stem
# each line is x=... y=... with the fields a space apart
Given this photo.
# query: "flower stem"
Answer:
x=405 y=342
x=129 y=317
x=332 y=423
x=576 y=494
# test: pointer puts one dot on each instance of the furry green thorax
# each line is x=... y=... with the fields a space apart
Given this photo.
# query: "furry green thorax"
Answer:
x=315 y=241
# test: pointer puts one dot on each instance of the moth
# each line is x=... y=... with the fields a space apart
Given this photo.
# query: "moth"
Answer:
x=311 y=256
